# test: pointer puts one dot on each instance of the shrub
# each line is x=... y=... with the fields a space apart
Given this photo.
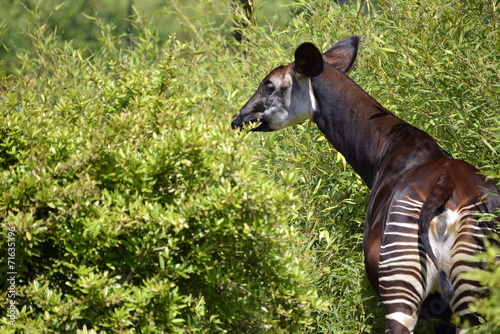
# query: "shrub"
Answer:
x=132 y=210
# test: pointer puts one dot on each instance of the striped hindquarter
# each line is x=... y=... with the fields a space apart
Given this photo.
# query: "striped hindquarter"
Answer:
x=407 y=275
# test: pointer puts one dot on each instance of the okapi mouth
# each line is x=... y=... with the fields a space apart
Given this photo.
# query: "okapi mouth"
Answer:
x=237 y=123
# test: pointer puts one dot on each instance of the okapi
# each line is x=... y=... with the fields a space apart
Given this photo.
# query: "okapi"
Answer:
x=422 y=225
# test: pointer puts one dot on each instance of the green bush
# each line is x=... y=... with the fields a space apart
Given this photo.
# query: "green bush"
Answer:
x=132 y=210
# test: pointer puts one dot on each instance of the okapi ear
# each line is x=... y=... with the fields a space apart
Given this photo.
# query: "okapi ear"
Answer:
x=343 y=54
x=308 y=60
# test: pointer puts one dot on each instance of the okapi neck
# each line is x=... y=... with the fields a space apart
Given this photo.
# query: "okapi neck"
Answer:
x=371 y=139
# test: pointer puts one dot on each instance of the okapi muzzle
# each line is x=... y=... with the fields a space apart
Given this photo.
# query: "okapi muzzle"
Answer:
x=252 y=114
x=422 y=225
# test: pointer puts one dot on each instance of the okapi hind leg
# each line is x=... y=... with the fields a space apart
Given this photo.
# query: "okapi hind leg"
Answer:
x=400 y=319
x=469 y=241
x=460 y=306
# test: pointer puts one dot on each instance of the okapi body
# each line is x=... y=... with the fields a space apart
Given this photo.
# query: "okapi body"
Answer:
x=422 y=224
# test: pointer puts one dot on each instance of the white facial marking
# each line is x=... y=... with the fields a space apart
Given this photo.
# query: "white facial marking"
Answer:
x=314 y=103
x=292 y=102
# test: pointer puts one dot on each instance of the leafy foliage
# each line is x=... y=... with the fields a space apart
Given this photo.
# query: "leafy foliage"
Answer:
x=131 y=208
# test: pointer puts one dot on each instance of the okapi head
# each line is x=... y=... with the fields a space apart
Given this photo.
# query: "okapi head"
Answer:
x=285 y=97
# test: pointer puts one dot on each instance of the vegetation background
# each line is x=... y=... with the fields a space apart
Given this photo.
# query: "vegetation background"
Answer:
x=136 y=208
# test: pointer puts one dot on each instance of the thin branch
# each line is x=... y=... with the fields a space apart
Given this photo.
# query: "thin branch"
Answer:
x=189 y=24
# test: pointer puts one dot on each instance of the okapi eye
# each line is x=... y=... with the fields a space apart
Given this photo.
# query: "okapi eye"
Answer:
x=270 y=88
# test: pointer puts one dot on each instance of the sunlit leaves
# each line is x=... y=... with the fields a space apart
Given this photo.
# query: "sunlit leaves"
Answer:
x=132 y=208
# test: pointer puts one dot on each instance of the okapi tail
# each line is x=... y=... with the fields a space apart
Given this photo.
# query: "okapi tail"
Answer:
x=440 y=193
